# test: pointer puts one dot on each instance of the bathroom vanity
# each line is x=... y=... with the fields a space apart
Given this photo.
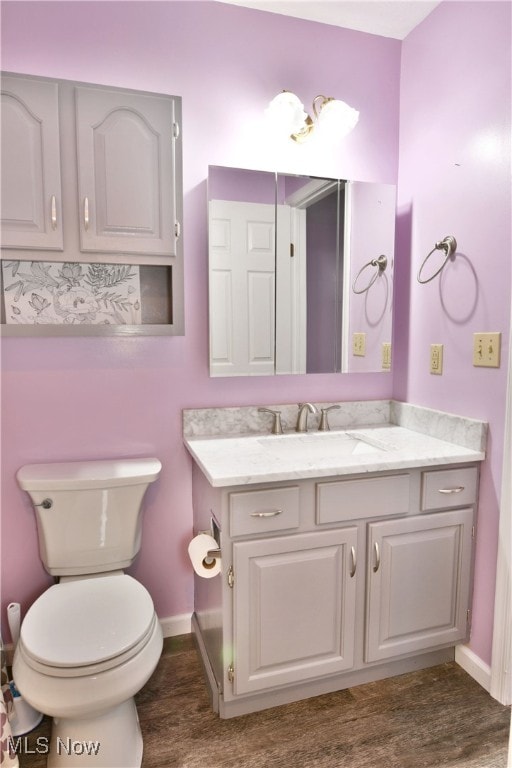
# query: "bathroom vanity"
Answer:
x=346 y=555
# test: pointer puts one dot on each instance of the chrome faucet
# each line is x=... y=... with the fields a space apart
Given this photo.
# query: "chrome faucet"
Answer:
x=302 y=416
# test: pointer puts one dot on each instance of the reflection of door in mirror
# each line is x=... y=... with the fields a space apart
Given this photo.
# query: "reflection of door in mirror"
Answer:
x=241 y=272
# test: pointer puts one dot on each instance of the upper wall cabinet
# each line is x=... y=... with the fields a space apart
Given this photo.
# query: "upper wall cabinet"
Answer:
x=125 y=144
x=31 y=204
x=91 y=187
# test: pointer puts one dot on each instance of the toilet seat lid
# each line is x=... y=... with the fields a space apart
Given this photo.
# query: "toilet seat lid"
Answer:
x=84 y=622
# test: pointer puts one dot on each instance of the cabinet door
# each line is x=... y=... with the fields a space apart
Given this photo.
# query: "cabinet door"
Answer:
x=418 y=582
x=31 y=210
x=125 y=148
x=294 y=608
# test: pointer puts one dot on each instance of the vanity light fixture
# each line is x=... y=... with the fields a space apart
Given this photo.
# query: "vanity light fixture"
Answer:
x=286 y=113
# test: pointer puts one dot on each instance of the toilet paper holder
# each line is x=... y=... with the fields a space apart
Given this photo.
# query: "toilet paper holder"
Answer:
x=213 y=553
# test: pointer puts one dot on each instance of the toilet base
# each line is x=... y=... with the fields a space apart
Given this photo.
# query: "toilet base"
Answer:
x=110 y=740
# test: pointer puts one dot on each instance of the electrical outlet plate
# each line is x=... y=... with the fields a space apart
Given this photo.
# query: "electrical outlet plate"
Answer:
x=436 y=359
x=359 y=344
x=386 y=356
x=487 y=350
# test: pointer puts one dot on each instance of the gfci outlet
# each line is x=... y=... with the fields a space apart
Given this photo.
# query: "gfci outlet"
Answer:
x=487 y=349
x=436 y=358
x=359 y=344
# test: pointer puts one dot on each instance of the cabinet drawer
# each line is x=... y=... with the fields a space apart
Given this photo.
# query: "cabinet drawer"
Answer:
x=449 y=488
x=263 y=511
x=353 y=499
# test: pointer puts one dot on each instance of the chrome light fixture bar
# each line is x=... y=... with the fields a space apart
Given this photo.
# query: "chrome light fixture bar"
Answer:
x=286 y=113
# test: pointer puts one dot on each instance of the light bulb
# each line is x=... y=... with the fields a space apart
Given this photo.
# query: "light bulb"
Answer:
x=337 y=117
x=286 y=113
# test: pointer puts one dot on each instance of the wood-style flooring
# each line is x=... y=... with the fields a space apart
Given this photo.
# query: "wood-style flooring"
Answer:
x=428 y=719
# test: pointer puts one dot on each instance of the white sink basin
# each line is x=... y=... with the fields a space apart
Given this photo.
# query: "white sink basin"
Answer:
x=319 y=445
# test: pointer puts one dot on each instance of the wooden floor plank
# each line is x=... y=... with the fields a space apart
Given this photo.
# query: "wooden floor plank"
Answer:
x=438 y=717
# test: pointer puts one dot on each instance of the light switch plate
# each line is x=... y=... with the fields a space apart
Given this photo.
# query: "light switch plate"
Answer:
x=436 y=359
x=359 y=344
x=386 y=356
x=487 y=349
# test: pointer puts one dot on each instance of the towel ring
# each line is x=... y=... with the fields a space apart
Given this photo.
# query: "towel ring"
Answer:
x=449 y=246
x=381 y=264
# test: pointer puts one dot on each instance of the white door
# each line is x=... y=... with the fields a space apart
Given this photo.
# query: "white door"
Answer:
x=241 y=288
x=31 y=202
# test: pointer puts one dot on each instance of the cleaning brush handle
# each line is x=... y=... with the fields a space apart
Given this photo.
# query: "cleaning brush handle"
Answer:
x=14 y=620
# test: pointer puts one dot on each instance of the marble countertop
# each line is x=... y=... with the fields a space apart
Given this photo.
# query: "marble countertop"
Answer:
x=257 y=458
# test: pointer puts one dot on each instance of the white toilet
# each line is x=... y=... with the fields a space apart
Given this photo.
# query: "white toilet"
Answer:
x=90 y=642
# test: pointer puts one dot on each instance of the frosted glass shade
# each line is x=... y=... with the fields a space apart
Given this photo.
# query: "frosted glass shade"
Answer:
x=286 y=113
x=337 y=117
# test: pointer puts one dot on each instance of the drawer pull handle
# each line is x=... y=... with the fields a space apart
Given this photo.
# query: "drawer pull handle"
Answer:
x=377 y=557
x=353 y=562
x=267 y=513
x=457 y=489
x=53 y=212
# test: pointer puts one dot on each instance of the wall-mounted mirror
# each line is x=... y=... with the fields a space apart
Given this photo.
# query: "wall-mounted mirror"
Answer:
x=300 y=273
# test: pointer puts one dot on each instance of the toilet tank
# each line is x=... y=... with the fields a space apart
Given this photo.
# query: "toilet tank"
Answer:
x=88 y=512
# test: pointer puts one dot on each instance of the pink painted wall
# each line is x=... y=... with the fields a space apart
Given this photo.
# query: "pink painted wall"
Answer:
x=98 y=398
x=92 y=398
x=455 y=179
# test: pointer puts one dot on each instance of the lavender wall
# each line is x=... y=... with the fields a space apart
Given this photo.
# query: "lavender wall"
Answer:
x=455 y=180
x=95 y=398
x=91 y=398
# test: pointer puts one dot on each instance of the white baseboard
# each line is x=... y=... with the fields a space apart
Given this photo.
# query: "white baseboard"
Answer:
x=474 y=666
x=177 y=625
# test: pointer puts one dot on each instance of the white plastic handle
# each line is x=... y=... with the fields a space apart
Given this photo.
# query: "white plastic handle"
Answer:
x=14 y=621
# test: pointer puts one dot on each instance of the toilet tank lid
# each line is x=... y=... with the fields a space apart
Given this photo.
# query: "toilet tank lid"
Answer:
x=79 y=475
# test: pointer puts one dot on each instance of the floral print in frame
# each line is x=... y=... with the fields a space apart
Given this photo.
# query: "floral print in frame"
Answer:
x=71 y=293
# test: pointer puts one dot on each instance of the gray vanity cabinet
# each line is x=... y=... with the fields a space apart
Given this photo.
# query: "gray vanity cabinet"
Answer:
x=418 y=579
x=332 y=582
x=293 y=608
x=31 y=201
x=126 y=180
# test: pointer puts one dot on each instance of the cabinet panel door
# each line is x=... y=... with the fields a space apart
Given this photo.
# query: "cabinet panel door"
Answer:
x=294 y=608
x=418 y=582
x=125 y=147
x=31 y=210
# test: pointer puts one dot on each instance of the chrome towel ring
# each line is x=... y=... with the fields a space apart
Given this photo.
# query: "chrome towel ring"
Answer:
x=381 y=264
x=449 y=246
